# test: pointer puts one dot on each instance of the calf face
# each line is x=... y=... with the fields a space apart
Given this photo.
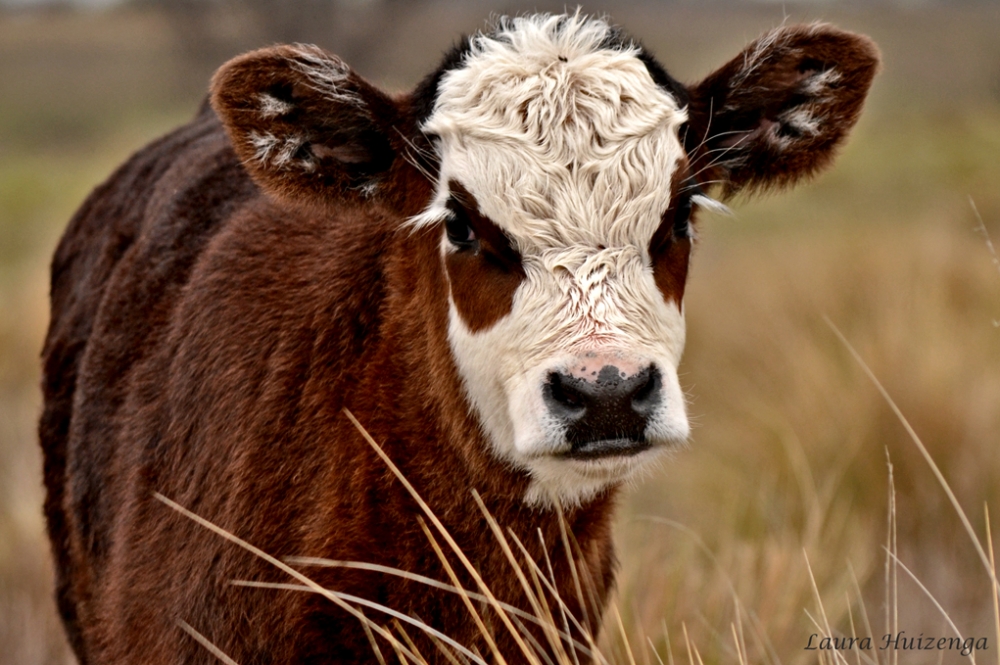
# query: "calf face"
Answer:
x=561 y=167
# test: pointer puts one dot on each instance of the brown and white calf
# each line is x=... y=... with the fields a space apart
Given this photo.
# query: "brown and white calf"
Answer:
x=488 y=272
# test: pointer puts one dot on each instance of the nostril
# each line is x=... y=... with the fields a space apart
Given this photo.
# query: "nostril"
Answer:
x=563 y=398
x=607 y=415
x=647 y=396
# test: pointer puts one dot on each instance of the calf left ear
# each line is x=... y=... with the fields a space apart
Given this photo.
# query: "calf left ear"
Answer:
x=308 y=128
x=777 y=112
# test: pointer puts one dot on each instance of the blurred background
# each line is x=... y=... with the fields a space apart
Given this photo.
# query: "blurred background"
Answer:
x=787 y=479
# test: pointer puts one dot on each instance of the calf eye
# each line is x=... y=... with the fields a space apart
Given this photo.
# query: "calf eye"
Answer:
x=682 y=218
x=458 y=228
x=682 y=209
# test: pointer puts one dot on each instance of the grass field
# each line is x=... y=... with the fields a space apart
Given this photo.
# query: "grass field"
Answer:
x=788 y=468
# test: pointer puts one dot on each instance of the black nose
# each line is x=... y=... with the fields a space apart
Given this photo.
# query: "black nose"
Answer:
x=607 y=416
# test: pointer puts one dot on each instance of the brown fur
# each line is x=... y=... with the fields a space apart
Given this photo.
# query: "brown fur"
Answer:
x=483 y=281
x=736 y=111
x=670 y=254
x=228 y=386
x=215 y=308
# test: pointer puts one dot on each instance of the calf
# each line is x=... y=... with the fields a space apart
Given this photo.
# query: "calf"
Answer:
x=488 y=272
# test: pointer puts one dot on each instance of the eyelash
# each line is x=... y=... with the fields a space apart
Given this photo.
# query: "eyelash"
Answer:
x=682 y=213
x=682 y=218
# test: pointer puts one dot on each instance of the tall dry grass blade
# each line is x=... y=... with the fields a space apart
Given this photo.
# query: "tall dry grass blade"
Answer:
x=758 y=633
x=981 y=227
x=449 y=656
x=480 y=624
x=483 y=587
x=641 y=637
x=757 y=630
x=571 y=560
x=205 y=642
x=738 y=628
x=277 y=563
x=920 y=446
x=533 y=591
x=539 y=581
x=431 y=632
x=861 y=603
x=372 y=641
x=624 y=635
x=854 y=630
x=691 y=533
x=413 y=577
x=739 y=651
x=652 y=647
x=891 y=570
x=687 y=643
x=666 y=641
x=816 y=624
x=541 y=593
x=993 y=574
x=539 y=649
x=854 y=633
x=822 y=609
x=940 y=608
x=397 y=648
x=585 y=586
x=592 y=651
x=548 y=626
x=406 y=638
x=761 y=411
x=697 y=654
x=320 y=562
x=762 y=640
x=824 y=630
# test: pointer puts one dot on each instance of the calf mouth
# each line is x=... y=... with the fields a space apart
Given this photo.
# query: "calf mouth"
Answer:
x=604 y=448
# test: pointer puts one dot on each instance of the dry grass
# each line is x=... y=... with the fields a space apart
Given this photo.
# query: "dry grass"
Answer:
x=796 y=438
x=750 y=639
x=781 y=500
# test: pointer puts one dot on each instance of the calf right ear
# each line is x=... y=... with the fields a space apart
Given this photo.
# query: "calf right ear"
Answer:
x=777 y=112
x=308 y=129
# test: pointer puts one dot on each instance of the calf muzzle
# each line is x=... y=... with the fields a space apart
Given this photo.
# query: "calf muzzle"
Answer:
x=607 y=416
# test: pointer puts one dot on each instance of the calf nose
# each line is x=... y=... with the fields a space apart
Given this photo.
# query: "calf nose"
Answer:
x=607 y=416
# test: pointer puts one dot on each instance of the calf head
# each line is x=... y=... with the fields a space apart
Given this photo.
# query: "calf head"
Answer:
x=562 y=168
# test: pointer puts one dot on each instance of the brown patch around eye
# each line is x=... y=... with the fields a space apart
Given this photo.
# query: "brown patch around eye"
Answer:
x=483 y=281
x=670 y=251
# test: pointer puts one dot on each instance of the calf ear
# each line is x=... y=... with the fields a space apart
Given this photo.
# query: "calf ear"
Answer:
x=307 y=128
x=777 y=112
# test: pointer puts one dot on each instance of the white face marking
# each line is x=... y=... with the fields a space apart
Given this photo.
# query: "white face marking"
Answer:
x=570 y=149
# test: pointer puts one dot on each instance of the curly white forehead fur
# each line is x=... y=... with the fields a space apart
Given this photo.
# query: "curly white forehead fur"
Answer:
x=563 y=137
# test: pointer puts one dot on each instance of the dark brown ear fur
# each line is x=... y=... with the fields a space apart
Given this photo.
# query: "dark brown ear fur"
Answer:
x=308 y=129
x=777 y=112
